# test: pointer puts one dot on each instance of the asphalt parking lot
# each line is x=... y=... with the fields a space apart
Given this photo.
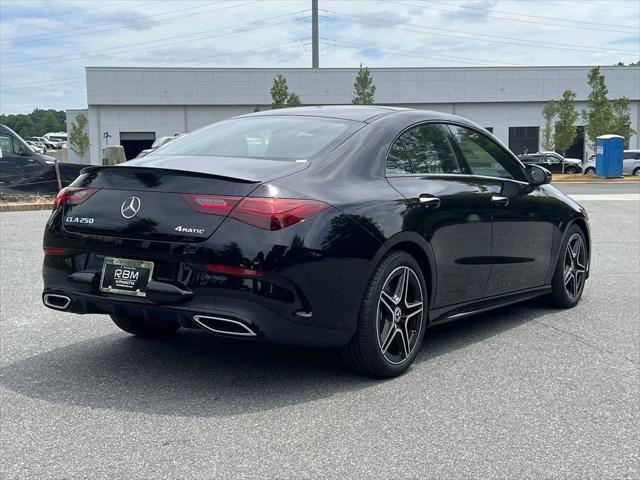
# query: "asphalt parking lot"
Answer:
x=522 y=392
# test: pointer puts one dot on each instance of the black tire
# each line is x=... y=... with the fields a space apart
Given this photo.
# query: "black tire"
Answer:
x=571 y=170
x=563 y=294
x=590 y=171
x=636 y=172
x=143 y=327
x=365 y=352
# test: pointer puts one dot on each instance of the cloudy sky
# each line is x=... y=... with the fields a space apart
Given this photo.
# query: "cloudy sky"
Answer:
x=45 y=45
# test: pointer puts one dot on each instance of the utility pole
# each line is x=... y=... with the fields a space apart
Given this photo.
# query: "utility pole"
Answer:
x=315 y=61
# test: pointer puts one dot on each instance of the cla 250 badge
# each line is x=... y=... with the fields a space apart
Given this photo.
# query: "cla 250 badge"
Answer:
x=180 y=228
x=85 y=220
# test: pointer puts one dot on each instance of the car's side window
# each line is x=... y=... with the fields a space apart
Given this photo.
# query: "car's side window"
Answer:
x=398 y=160
x=429 y=150
x=551 y=160
x=484 y=156
x=5 y=144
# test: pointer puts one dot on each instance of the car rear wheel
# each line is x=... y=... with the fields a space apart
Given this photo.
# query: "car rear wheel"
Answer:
x=636 y=172
x=144 y=327
x=571 y=270
x=392 y=319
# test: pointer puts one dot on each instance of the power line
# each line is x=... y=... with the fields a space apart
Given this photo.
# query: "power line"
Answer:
x=407 y=53
x=488 y=14
x=89 y=29
x=112 y=22
x=257 y=50
x=236 y=54
x=598 y=24
x=476 y=36
x=235 y=29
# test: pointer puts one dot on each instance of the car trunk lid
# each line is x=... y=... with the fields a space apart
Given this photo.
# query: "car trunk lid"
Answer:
x=156 y=203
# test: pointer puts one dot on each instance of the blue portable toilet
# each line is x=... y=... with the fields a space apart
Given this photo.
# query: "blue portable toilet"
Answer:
x=609 y=155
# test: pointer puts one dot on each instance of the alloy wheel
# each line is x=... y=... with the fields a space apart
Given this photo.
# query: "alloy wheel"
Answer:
x=400 y=318
x=575 y=261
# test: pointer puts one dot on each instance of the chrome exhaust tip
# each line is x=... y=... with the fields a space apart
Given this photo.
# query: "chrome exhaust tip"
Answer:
x=56 y=301
x=223 y=326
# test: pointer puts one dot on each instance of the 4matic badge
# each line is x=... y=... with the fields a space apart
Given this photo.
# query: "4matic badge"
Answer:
x=181 y=229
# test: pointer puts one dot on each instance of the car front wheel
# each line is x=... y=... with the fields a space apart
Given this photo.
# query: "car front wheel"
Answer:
x=570 y=275
x=590 y=171
x=571 y=170
x=636 y=172
x=144 y=327
x=392 y=319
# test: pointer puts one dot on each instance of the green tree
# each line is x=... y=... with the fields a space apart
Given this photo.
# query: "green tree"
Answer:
x=34 y=124
x=50 y=122
x=621 y=122
x=78 y=138
x=548 y=112
x=280 y=95
x=293 y=100
x=565 y=132
x=599 y=113
x=363 y=87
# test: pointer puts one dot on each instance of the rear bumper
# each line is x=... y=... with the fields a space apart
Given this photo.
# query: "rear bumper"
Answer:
x=267 y=324
x=308 y=291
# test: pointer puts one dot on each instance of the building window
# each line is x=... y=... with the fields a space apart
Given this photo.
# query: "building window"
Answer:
x=523 y=140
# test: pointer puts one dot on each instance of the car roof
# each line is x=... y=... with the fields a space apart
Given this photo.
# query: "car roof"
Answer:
x=359 y=113
x=363 y=113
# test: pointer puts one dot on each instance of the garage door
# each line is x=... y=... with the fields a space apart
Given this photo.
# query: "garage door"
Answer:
x=134 y=142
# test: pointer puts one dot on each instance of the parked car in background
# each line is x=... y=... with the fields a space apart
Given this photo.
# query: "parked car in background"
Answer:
x=58 y=139
x=24 y=171
x=552 y=161
x=630 y=163
x=36 y=146
x=160 y=141
x=49 y=145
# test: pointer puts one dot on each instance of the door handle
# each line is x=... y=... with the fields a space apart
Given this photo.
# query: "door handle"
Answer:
x=429 y=201
x=499 y=200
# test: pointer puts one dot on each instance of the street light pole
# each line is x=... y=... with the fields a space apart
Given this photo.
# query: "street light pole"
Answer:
x=315 y=60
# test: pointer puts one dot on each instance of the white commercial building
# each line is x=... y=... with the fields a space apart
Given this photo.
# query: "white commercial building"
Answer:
x=133 y=106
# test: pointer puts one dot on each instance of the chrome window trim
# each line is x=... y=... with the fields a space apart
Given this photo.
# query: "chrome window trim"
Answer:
x=457 y=175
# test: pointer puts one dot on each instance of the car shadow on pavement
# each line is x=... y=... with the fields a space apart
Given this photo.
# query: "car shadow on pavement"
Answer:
x=197 y=374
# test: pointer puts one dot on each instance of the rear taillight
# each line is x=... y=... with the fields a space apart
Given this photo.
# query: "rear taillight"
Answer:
x=265 y=213
x=230 y=270
x=73 y=196
x=53 y=250
x=275 y=213
x=215 y=205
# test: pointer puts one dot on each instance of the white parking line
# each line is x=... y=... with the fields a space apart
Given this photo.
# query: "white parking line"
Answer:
x=614 y=197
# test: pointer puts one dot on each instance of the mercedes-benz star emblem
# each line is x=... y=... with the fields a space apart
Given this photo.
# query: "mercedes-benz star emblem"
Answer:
x=130 y=207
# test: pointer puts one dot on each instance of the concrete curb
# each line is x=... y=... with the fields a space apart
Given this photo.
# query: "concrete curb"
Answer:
x=24 y=207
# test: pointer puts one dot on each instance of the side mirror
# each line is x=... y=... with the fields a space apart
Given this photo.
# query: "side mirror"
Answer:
x=23 y=152
x=538 y=175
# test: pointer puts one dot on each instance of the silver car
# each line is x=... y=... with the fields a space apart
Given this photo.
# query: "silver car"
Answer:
x=630 y=163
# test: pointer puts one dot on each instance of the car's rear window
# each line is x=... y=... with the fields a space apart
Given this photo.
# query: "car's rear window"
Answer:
x=280 y=137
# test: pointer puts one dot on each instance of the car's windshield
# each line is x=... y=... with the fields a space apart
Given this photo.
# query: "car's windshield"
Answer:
x=280 y=137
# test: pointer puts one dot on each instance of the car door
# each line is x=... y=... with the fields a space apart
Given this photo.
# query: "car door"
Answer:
x=11 y=164
x=522 y=228
x=630 y=161
x=446 y=207
x=552 y=163
x=18 y=165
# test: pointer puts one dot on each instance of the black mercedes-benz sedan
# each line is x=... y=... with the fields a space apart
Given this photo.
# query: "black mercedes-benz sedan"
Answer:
x=348 y=226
